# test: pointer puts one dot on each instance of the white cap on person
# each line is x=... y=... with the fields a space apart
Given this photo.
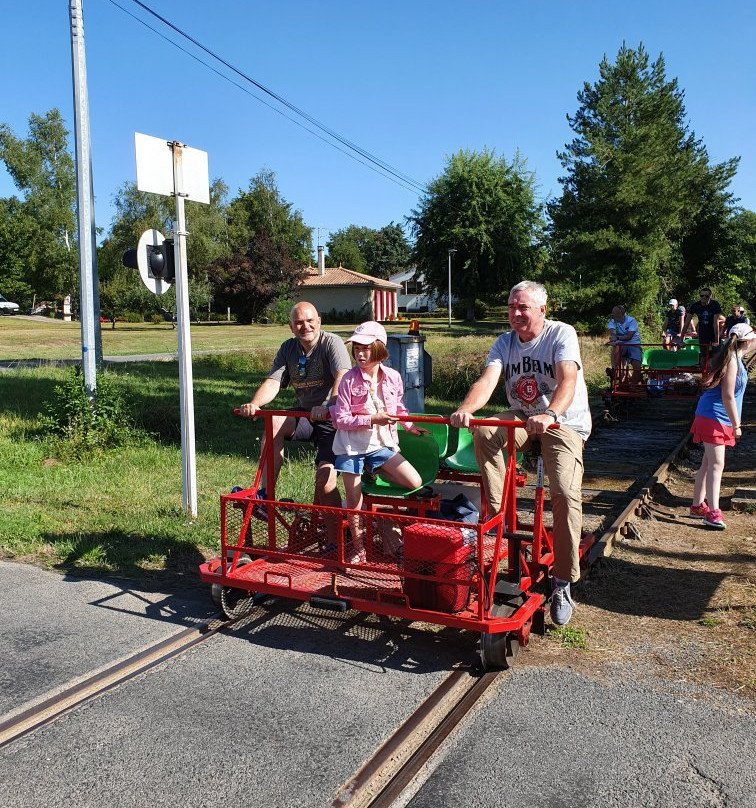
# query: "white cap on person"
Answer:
x=742 y=331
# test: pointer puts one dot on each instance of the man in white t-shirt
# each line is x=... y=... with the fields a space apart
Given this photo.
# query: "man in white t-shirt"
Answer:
x=625 y=341
x=543 y=377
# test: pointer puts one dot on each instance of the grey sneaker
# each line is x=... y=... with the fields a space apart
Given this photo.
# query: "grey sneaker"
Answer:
x=561 y=602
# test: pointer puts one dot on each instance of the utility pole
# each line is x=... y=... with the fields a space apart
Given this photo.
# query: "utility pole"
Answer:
x=89 y=293
x=448 y=296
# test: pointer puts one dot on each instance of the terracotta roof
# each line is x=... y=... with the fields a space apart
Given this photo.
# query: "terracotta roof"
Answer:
x=339 y=276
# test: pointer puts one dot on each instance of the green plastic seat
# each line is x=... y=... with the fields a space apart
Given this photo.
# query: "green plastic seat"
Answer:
x=690 y=341
x=422 y=452
x=659 y=359
x=464 y=458
x=689 y=357
x=440 y=432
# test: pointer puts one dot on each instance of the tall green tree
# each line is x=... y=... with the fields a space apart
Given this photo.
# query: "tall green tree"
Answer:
x=136 y=212
x=42 y=168
x=380 y=253
x=248 y=283
x=346 y=247
x=483 y=207
x=641 y=206
x=262 y=210
x=742 y=258
x=17 y=231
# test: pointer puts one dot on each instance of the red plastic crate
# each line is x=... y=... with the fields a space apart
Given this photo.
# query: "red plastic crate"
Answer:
x=440 y=551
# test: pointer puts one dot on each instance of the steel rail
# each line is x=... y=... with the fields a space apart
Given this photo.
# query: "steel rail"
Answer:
x=94 y=685
x=393 y=766
x=604 y=544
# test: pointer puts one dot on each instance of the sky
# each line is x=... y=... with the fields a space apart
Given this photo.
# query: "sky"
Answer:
x=411 y=82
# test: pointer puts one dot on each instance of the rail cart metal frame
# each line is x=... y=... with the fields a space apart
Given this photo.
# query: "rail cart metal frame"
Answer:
x=301 y=551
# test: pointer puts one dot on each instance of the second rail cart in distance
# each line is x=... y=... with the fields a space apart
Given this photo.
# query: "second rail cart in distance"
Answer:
x=671 y=374
x=491 y=577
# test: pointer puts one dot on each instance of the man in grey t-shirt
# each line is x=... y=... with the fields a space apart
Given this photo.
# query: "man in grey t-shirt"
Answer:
x=312 y=362
x=543 y=377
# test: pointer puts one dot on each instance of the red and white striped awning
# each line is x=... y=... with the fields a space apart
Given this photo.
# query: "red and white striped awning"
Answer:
x=384 y=304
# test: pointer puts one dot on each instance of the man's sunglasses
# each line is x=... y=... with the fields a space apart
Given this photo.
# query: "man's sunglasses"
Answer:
x=704 y=296
x=302 y=367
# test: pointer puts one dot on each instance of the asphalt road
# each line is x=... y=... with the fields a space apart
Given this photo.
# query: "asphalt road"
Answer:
x=280 y=712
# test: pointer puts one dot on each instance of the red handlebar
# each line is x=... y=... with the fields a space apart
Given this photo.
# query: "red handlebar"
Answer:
x=418 y=419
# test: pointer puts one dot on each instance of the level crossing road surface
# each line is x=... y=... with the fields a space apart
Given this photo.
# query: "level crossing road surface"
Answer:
x=551 y=738
x=278 y=712
x=57 y=628
x=283 y=709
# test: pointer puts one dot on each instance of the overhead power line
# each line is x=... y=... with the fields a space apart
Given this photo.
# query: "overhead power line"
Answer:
x=350 y=149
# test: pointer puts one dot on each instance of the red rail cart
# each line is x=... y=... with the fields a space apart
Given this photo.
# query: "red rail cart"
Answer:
x=664 y=373
x=491 y=577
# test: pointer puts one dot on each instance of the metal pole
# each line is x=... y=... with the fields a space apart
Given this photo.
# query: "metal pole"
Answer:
x=89 y=293
x=448 y=296
x=188 y=456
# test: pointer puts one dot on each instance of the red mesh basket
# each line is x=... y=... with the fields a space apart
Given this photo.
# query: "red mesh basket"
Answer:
x=442 y=552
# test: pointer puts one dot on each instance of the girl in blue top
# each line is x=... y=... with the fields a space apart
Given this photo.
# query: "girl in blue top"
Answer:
x=717 y=421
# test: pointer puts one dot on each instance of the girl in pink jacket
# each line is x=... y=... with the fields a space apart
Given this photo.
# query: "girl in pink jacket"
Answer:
x=369 y=399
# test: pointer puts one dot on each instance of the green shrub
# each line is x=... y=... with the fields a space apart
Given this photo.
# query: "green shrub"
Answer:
x=79 y=428
x=482 y=310
x=132 y=317
x=280 y=310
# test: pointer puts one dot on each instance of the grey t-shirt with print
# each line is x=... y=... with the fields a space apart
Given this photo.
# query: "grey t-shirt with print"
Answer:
x=312 y=385
x=529 y=372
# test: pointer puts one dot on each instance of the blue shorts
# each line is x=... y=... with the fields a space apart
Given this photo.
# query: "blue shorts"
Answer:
x=631 y=352
x=354 y=464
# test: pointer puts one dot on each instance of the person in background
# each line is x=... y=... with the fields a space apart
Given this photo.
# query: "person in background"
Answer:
x=718 y=420
x=736 y=317
x=623 y=332
x=540 y=363
x=708 y=312
x=368 y=401
x=672 y=333
x=312 y=362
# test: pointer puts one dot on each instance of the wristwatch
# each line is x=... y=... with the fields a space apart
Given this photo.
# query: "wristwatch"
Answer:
x=552 y=414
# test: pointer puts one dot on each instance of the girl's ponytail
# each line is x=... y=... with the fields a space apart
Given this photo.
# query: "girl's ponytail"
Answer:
x=720 y=362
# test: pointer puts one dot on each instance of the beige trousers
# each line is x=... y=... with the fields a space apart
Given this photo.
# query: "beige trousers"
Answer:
x=562 y=452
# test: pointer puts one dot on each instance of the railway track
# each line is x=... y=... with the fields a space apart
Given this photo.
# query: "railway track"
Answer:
x=628 y=481
x=623 y=460
x=96 y=683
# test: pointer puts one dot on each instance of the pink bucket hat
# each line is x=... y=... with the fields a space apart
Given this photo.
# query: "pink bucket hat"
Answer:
x=368 y=333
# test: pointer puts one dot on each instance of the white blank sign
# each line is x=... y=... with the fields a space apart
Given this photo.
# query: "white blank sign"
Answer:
x=154 y=163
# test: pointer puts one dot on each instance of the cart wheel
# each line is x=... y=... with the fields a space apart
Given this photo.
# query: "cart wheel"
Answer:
x=233 y=602
x=236 y=603
x=499 y=651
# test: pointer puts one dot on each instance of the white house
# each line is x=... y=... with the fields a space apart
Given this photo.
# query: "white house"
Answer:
x=413 y=296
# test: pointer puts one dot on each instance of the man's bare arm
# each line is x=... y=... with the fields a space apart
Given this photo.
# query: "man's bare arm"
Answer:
x=265 y=393
x=564 y=393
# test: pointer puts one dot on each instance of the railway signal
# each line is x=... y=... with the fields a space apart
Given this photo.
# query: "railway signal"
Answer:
x=154 y=258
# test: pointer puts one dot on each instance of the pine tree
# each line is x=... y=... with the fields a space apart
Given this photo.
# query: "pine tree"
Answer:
x=638 y=184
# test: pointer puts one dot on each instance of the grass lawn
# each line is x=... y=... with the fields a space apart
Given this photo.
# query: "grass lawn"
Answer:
x=120 y=512
x=39 y=338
